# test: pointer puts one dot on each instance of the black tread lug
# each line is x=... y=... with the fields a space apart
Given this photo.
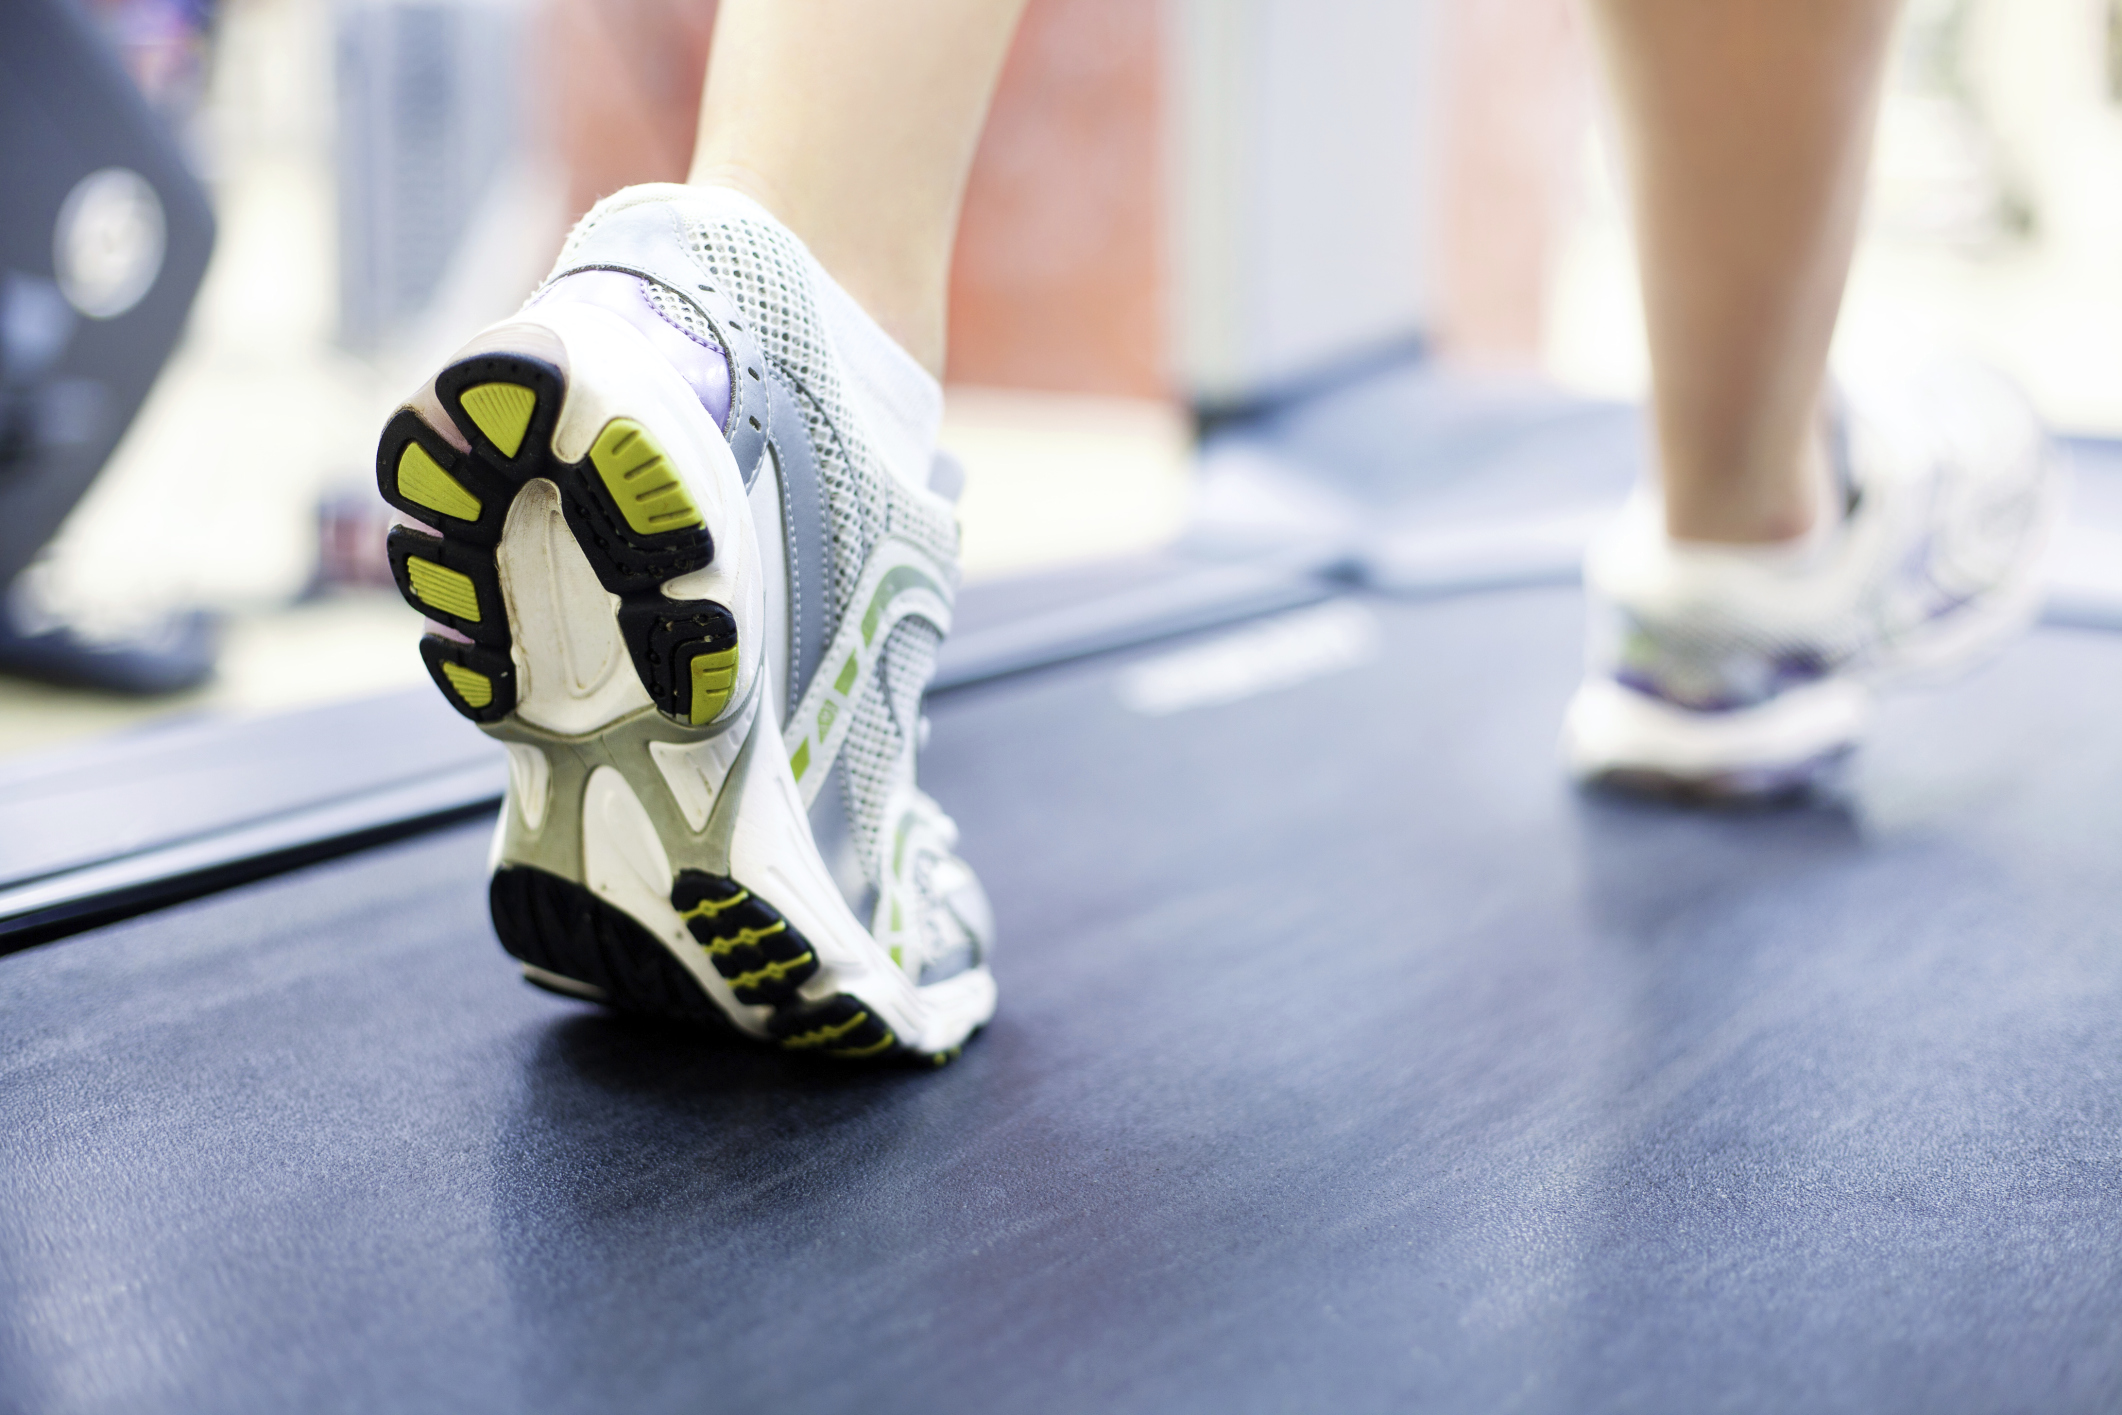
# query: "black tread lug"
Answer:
x=665 y=636
x=842 y=1027
x=474 y=474
x=535 y=451
x=496 y=664
x=744 y=937
x=561 y=927
x=626 y=563
x=474 y=563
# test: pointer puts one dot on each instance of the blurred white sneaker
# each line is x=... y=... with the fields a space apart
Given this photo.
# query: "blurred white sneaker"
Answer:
x=674 y=537
x=1721 y=672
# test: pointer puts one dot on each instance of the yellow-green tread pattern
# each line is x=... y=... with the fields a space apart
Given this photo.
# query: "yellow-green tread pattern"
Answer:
x=773 y=972
x=709 y=908
x=642 y=482
x=443 y=588
x=743 y=938
x=474 y=687
x=762 y=957
x=422 y=480
x=822 y=1038
x=503 y=412
x=714 y=678
x=876 y=1048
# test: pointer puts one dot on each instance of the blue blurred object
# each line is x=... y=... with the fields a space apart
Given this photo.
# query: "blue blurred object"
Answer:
x=172 y=654
x=104 y=239
x=428 y=99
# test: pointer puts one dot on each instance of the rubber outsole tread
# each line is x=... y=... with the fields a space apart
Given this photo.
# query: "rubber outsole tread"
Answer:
x=534 y=444
x=747 y=939
x=478 y=477
x=452 y=576
x=767 y=961
x=559 y=926
x=420 y=563
x=495 y=666
x=562 y=928
x=626 y=561
x=666 y=639
x=1738 y=789
x=841 y=1027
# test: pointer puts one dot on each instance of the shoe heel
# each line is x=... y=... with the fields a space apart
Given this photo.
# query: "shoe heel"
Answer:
x=625 y=504
x=630 y=511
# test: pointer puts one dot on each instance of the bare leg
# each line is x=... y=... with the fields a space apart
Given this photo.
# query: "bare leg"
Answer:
x=855 y=124
x=1748 y=129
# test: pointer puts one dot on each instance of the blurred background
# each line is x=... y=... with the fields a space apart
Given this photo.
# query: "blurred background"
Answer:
x=1188 y=222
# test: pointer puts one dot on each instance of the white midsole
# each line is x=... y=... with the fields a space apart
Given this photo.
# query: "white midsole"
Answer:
x=1609 y=727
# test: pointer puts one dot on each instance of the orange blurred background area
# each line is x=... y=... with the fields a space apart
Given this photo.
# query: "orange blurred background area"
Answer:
x=1057 y=281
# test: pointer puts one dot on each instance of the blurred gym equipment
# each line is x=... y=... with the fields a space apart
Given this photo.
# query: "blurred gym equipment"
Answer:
x=104 y=237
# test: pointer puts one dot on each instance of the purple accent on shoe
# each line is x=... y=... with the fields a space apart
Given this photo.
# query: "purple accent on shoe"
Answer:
x=704 y=367
x=1745 y=680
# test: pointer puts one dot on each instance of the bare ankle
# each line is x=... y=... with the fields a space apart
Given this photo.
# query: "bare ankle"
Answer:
x=1761 y=509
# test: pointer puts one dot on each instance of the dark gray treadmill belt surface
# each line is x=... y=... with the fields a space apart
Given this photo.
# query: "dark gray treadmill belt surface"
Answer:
x=1347 y=1061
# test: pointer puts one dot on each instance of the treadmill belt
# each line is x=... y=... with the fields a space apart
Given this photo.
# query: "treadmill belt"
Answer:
x=1347 y=1060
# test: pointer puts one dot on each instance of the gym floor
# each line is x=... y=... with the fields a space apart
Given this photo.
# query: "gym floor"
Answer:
x=1347 y=1059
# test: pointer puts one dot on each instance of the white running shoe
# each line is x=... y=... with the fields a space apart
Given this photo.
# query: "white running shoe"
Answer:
x=1722 y=673
x=677 y=547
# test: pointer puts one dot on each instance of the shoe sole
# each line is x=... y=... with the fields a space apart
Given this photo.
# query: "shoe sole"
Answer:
x=629 y=513
x=1615 y=738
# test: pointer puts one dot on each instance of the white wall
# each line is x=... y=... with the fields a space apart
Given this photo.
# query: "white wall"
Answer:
x=1303 y=141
